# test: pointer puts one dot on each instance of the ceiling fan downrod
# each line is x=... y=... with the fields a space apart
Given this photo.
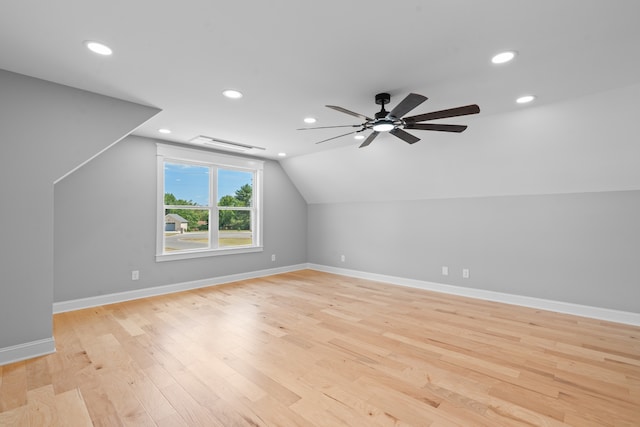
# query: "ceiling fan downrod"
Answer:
x=382 y=122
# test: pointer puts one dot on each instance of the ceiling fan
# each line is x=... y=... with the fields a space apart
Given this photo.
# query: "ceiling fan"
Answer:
x=394 y=122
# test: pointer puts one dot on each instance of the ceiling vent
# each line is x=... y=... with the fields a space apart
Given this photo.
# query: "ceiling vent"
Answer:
x=208 y=141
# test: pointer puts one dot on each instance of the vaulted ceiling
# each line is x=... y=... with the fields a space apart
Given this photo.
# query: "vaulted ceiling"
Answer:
x=291 y=58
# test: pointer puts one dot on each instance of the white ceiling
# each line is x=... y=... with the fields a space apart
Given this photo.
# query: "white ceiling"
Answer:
x=290 y=58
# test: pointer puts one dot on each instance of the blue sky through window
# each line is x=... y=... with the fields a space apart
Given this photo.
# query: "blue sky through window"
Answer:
x=191 y=182
x=229 y=181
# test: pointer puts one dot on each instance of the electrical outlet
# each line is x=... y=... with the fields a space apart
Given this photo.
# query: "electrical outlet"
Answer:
x=135 y=275
x=273 y=257
x=445 y=270
x=343 y=258
x=465 y=273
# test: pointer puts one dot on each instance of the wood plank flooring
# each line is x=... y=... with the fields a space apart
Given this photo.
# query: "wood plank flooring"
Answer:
x=315 y=349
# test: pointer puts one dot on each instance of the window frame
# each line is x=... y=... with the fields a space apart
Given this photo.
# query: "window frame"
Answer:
x=213 y=160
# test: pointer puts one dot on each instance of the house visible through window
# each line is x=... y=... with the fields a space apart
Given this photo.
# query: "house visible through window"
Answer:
x=209 y=204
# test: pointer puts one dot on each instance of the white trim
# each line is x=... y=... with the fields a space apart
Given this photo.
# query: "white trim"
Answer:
x=231 y=250
x=214 y=161
x=16 y=353
x=78 y=304
x=618 y=316
x=186 y=154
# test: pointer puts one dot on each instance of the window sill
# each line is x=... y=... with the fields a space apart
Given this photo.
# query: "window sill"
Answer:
x=207 y=253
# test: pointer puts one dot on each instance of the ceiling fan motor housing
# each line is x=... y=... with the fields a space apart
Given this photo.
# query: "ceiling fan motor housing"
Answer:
x=381 y=114
x=383 y=98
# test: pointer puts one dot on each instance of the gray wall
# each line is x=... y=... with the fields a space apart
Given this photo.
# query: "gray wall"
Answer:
x=542 y=202
x=46 y=130
x=579 y=248
x=105 y=227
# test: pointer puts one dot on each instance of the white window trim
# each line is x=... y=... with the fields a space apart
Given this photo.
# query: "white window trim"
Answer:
x=201 y=157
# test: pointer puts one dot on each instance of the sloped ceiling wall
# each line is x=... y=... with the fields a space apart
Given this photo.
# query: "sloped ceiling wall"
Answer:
x=46 y=130
x=588 y=144
x=531 y=202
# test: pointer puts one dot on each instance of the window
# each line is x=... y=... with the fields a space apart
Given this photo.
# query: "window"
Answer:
x=208 y=204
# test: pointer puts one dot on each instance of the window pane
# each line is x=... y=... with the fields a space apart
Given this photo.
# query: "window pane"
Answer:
x=186 y=229
x=186 y=184
x=195 y=185
x=235 y=188
x=234 y=228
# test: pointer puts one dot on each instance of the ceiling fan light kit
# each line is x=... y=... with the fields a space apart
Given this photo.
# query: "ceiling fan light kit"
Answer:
x=394 y=121
x=383 y=126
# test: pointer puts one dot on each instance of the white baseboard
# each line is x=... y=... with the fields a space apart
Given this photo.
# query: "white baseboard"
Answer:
x=16 y=353
x=46 y=346
x=78 y=304
x=539 y=303
x=625 y=317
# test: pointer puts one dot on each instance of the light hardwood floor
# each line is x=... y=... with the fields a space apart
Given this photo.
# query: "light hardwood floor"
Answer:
x=316 y=349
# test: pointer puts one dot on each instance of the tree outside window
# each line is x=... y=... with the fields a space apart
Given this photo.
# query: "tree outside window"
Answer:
x=191 y=223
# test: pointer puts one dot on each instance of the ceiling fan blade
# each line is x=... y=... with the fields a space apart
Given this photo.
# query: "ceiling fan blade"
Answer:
x=409 y=103
x=405 y=136
x=331 y=127
x=335 y=137
x=436 y=126
x=369 y=139
x=351 y=113
x=443 y=114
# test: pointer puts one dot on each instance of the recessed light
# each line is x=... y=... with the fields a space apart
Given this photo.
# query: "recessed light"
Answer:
x=525 y=99
x=99 y=48
x=166 y=131
x=359 y=137
x=309 y=120
x=233 y=94
x=282 y=154
x=503 y=57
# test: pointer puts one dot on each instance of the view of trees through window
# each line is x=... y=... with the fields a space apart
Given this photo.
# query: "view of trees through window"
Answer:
x=198 y=220
x=188 y=211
